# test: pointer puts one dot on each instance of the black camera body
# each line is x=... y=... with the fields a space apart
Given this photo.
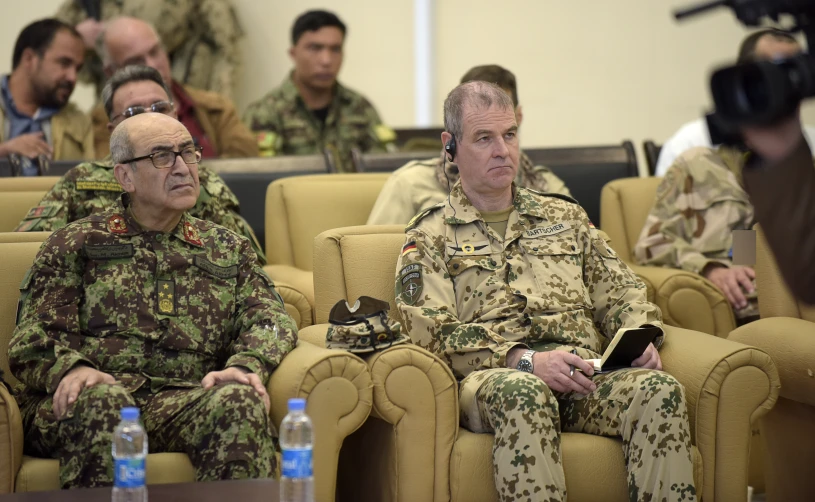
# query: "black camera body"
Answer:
x=762 y=92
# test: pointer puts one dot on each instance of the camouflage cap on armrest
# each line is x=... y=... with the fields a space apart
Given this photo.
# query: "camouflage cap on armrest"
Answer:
x=365 y=327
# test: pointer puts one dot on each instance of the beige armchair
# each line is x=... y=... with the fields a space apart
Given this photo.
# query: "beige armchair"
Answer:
x=300 y=207
x=412 y=448
x=336 y=384
x=687 y=300
x=786 y=331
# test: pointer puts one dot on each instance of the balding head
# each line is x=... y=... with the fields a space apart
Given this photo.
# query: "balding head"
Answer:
x=128 y=41
x=476 y=94
x=158 y=191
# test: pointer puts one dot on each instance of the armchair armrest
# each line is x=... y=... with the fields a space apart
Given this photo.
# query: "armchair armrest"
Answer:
x=337 y=386
x=793 y=357
x=301 y=280
x=314 y=334
x=296 y=304
x=728 y=387
x=688 y=300
x=11 y=440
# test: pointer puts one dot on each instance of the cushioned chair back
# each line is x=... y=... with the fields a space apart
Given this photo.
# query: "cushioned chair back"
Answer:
x=249 y=178
x=775 y=298
x=389 y=162
x=15 y=205
x=17 y=258
x=299 y=208
x=356 y=261
x=586 y=169
x=624 y=205
x=28 y=183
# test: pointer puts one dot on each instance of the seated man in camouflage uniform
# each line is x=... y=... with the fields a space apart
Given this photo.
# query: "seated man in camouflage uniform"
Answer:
x=145 y=305
x=502 y=283
x=91 y=187
x=418 y=185
x=311 y=111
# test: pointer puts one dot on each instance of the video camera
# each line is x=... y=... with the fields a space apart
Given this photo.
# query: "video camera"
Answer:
x=762 y=92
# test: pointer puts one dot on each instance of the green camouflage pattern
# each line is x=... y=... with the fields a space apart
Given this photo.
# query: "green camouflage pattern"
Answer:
x=645 y=408
x=224 y=430
x=421 y=184
x=157 y=311
x=202 y=38
x=284 y=126
x=699 y=203
x=91 y=188
x=551 y=282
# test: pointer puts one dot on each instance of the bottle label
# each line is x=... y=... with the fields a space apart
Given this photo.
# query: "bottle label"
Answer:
x=128 y=472
x=297 y=463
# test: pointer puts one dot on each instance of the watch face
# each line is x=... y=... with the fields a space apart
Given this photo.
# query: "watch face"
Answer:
x=525 y=365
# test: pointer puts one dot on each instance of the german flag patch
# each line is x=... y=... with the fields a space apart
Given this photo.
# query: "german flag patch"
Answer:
x=408 y=248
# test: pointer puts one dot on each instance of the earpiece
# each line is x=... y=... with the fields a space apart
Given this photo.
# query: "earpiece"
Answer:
x=450 y=147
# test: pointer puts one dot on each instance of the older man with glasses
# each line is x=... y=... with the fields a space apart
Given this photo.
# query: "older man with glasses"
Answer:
x=144 y=305
x=91 y=187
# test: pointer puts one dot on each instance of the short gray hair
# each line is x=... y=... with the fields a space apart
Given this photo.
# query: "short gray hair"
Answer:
x=121 y=149
x=476 y=93
x=128 y=74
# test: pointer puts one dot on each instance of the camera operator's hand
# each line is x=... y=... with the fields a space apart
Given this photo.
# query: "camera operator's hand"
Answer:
x=732 y=281
x=775 y=142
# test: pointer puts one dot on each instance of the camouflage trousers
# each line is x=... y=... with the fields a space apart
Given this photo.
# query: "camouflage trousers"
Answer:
x=224 y=430
x=645 y=408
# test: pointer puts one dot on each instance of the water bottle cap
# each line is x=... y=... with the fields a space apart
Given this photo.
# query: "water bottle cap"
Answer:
x=297 y=404
x=130 y=413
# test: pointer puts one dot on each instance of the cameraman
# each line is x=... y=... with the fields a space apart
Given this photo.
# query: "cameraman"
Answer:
x=780 y=179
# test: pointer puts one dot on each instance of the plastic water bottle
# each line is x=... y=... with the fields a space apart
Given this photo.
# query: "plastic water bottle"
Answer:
x=296 y=441
x=129 y=453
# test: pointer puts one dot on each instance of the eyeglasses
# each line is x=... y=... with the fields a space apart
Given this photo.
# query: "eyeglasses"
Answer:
x=165 y=107
x=166 y=158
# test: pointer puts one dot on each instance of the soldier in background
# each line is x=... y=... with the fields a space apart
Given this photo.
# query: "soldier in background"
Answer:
x=699 y=203
x=210 y=117
x=420 y=184
x=502 y=283
x=311 y=111
x=92 y=188
x=201 y=36
x=144 y=305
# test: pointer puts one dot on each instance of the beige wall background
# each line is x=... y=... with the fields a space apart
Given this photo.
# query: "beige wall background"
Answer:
x=588 y=72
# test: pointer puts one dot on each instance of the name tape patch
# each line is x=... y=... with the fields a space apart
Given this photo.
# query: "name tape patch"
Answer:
x=216 y=270
x=109 y=252
x=550 y=230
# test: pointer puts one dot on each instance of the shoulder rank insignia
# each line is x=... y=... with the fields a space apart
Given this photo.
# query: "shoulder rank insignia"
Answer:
x=191 y=234
x=117 y=224
x=416 y=219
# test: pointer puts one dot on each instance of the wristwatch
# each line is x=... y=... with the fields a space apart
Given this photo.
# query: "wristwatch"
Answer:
x=525 y=364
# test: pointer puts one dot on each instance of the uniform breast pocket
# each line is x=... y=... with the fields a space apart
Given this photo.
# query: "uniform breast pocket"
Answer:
x=479 y=284
x=557 y=264
x=113 y=296
x=206 y=296
x=357 y=131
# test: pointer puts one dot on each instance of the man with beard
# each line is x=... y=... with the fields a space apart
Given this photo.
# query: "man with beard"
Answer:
x=37 y=118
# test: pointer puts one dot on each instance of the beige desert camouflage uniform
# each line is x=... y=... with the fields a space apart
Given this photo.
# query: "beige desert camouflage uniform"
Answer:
x=699 y=203
x=202 y=38
x=157 y=311
x=470 y=295
x=420 y=184
x=284 y=126
x=91 y=188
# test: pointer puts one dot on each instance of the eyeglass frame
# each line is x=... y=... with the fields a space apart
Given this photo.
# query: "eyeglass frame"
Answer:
x=145 y=109
x=197 y=149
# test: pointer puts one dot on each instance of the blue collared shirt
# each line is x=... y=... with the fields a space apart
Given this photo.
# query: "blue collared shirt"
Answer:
x=20 y=123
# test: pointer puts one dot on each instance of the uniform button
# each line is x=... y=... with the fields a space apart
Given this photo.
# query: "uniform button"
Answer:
x=572 y=248
x=492 y=262
x=534 y=249
x=455 y=266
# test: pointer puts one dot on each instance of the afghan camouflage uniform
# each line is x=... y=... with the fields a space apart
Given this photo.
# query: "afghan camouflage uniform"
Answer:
x=420 y=184
x=91 y=188
x=699 y=203
x=470 y=295
x=284 y=126
x=202 y=38
x=157 y=311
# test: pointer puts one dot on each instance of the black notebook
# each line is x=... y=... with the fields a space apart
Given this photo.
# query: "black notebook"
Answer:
x=628 y=344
